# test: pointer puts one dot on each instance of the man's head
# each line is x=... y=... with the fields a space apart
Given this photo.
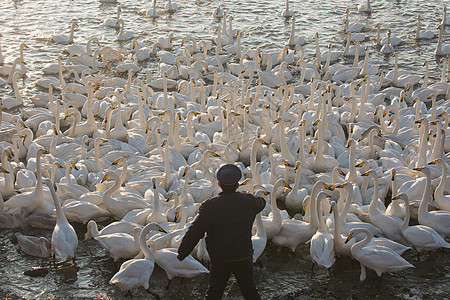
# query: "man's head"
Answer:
x=228 y=177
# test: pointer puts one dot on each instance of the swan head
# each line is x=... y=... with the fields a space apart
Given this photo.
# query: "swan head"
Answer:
x=152 y=226
x=401 y=196
x=332 y=206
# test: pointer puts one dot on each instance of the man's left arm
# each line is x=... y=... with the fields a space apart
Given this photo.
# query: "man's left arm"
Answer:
x=195 y=232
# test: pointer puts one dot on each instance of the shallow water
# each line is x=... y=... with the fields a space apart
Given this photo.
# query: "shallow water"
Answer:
x=282 y=275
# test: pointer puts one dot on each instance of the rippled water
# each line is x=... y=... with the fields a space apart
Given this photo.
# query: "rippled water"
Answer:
x=282 y=275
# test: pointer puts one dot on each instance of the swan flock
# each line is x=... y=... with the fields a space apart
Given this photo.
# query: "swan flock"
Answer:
x=137 y=152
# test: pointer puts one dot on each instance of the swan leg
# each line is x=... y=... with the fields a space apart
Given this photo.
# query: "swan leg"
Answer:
x=362 y=277
x=168 y=284
x=153 y=294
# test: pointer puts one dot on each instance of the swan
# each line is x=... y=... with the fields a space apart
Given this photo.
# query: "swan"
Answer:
x=441 y=48
x=378 y=258
x=12 y=102
x=152 y=12
x=421 y=237
x=351 y=27
x=389 y=225
x=170 y=6
x=134 y=273
x=295 y=39
x=114 y=227
x=34 y=246
x=35 y=220
x=259 y=239
x=120 y=206
x=156 y=215
x=272 y=224
x=347 y=226
x=387 y=48
x=64 y=39
x=113 y=22
x=438 y=220
x=123 y=34
x=34 y=200
x=395 y=208
x=7 y=184
x=64 y=237
x=344 y=249
x=295 y=232
x=322 y=243
x=365 y=7
x=442 y=200
x=188 y=268
x=287 y=12
x=423 y=34
x=119 y=244
x=6 y=220
x=294 y=199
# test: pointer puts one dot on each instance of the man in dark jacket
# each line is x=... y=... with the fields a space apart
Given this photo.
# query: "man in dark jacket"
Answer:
x=227 y=220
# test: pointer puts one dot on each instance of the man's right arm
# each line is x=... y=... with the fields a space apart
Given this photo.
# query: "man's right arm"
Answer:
x=260 y=203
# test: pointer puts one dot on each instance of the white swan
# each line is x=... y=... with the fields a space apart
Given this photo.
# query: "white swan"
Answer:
x=64 y=39
x=365 y=7
x=64 y=237
x=322 y=242
x=295 y=232
x=188 y=268
x=272 y=224
x=34 y=200
x=152 y=12
x=438 y=220
x=123 y=34
x=113 y=22
x=441 y=47
x=421 y=237
x=294 y=199
x=442 y=200
x=423 y=34
x=119 y=244
x=293 y=38
x=120 y=206
x=378 y=258
x=259 y=239
x=170 y=6
x=157 y=214
x=136 y=272
x=388 y=224
x=287 y=12
x=12 y=102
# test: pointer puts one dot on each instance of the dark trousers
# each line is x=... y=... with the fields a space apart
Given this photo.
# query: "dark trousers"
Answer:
x=220 y=272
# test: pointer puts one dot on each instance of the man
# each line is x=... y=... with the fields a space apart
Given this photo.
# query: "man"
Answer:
x=227 y=220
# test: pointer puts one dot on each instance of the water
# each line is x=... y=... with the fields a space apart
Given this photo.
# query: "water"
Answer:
x=282 y=275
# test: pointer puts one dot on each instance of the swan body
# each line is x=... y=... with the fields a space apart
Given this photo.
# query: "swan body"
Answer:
x=188 y=268
x=438 y=220
x=64 y=39
x=113 y=22
x=34 y=246
x=421 y=237
x=378 y=258
x=134 y=273
x=423 y=34
x=322 y=242
x=64 y=237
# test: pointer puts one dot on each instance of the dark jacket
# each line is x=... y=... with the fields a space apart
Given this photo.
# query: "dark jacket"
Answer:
x=227 y=220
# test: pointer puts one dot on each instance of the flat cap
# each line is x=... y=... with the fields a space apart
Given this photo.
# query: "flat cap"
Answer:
x=229 y=174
